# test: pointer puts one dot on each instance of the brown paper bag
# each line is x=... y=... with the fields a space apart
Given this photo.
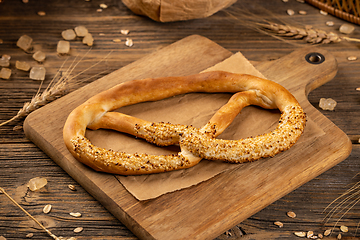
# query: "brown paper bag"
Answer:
x=170 y=10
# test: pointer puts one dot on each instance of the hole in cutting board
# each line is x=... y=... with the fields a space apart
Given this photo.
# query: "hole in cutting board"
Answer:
x=315 y=58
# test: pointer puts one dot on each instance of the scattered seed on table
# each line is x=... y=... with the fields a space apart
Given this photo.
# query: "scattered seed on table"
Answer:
x=344 y=228
x=279 y=224
x=291 y=214
x=300 y=234
x=351 y=58
x=290 y=12
x=78 y=229
x=47 y=208
x=75 y=214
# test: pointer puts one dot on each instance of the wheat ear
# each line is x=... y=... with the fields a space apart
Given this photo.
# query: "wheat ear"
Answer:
x=59 y=86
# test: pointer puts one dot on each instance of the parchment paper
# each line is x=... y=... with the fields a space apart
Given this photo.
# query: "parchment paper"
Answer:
x=190 y=109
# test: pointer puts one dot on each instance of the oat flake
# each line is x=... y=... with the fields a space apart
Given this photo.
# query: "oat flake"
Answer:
x=30 y=235
x=124 y=32
x=327 y=232
x=129 y=42
x=78 y=229
x=279 y=224
x=75 y=214
x=47 y=208
x=344 y=228
x=300 y=234
x=352 y=58
x=290 y=12
x=291 y=214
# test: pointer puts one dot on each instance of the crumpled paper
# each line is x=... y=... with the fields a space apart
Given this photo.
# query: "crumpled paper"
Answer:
x=180 y=10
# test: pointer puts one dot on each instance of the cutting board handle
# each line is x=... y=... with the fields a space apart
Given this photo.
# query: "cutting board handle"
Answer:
x=301 y=71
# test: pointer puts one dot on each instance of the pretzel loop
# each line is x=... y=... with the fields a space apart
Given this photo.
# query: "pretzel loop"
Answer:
x=195 y=143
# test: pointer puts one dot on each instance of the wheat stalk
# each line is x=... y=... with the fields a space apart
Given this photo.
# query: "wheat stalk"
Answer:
x=27 y=213
x=60 y=85
x=310 y=34
x=343 y=204
x=286 y=30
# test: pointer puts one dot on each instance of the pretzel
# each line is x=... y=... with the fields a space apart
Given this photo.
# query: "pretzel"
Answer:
x=195 y=144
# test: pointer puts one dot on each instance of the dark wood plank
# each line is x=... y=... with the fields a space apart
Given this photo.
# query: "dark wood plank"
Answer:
x=20 y=160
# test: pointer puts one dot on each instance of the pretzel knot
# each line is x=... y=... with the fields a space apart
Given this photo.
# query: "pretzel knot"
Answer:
x=195 y=144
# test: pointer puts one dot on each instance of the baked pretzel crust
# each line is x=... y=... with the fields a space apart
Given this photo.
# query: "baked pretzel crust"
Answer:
x=195 y=143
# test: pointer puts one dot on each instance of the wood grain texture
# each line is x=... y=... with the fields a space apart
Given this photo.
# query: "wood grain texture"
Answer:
x=205 y=210
x=21 y=160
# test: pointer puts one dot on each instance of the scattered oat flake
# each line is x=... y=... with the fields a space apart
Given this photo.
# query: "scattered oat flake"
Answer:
x=301 y=12
x=330 y=23
x=99 y=10
x=37 y=183
x=30 y=235
x=344 y=228
x=103 y=5
x=339 y=236
x=41 y=13
x=78 y=229
x=47 y=208
x=291 y=214
x=279 y=224
x=285 y=1
x=300 y=234
x=117 y=40
x=101 y=34
x=71 y=187
x=327 y=232
x=320 y=236
x=352 y=58
x=290 y=12
x=322 y=12
x=5 y=73
x=309 y=234
x=129 y=42
x=75 y=214
x=124 y=31
x=17 y=127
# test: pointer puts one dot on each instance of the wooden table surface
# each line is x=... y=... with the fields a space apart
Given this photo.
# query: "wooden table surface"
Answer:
x=21 y=160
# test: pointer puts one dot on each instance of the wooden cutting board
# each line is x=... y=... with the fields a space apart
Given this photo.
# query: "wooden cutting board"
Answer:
x=208 y=209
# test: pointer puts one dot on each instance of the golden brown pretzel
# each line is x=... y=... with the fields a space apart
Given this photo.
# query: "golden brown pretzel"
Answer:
x=195 y=143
